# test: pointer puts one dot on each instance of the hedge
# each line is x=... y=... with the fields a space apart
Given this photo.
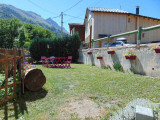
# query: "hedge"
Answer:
x=58 y=47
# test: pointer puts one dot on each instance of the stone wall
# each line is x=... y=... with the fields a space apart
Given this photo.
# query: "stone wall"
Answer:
x=147 y=62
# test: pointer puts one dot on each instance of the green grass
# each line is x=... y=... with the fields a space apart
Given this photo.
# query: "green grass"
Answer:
x=80 y=82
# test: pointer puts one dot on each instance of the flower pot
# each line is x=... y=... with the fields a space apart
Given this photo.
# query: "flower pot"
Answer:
x=131 y=57
x=157 y=50
x=99 y=57
x=111 y=52
x=89 y=53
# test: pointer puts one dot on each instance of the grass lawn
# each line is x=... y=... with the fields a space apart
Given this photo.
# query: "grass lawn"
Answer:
x=108 y=89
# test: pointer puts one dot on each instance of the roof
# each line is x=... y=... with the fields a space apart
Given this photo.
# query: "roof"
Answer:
x=94 y=9
x=75 y=24
x=110 y=10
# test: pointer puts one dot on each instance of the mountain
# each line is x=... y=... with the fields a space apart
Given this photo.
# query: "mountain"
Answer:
x=53 y=23
x=9 y=11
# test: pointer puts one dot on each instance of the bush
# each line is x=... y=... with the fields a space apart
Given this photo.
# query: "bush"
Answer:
x=58 y=47
x=118 y=67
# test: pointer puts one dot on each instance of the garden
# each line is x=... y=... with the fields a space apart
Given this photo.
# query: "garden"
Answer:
x=80 y=92
x=69 y=93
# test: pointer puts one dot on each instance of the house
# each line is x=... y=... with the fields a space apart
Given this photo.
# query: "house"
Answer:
x=102 y=22
x=80 y=28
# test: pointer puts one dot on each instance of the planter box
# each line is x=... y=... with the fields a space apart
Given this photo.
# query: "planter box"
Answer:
x=111 y=52
x=99 y=58
x=131 y=57
x=157 y=50
x=89 y=53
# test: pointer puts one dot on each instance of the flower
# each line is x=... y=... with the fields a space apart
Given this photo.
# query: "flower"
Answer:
x=155 y=47
x=129 y=53
x=89 y=51
x=28 y=66
x=112 y=49
x=98 y=55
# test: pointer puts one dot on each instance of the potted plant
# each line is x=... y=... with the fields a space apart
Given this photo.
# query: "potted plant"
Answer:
x=156 y=48
x=130 y=55
x=89 y=52
x=99 y=56
x=112 y=51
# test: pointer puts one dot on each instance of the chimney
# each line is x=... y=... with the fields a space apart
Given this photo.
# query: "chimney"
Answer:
x=137 y=10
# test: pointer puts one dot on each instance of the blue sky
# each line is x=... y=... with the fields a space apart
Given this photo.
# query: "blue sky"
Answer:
x=53 y=8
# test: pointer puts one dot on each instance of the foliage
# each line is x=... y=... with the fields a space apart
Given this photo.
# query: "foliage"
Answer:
x=8 y=32
x=107 y=67
x=129 y=53
x=156 y=47
x=10 y=81
x=112 y=49
x=98 y=55
x=14 y=33
x=28 y=66
x=26 y=45
x=118 y=67
x=89 y=51
x=33 y=31
x=9 y=12
x=59 y=47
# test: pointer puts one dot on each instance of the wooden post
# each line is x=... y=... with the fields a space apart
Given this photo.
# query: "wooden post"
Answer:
x=22 y=69
x=6 y=75
x=19 y=68
x=14 y=72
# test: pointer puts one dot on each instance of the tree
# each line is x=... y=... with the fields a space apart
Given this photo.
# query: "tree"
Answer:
x=58 y=47
x=22 y=38
x=14 y=33
x=9 y=31
x=34 y=31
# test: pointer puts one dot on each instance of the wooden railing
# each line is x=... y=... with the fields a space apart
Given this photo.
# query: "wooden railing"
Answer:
x=11 y=64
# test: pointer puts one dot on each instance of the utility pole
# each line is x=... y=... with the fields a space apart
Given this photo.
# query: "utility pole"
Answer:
x=62 y=24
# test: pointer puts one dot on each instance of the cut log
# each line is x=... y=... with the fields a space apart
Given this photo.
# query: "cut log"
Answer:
x=34 y=79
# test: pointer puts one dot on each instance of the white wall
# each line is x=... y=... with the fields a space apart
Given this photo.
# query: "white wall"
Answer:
x=89 y=22
x=146 y=62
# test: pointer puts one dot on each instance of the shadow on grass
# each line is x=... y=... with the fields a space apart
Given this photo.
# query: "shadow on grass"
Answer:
x=19 y=106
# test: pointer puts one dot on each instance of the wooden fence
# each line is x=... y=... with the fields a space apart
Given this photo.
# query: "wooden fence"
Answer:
x=11 y=65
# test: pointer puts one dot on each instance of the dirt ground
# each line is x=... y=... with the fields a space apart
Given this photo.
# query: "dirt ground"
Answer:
x=82 y=109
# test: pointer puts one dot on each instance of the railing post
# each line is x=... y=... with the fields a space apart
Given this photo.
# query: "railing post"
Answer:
x=139 y=35
x=108 y=41
x=92 y=43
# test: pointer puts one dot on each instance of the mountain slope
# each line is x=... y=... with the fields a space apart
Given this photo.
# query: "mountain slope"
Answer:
x=9 y=11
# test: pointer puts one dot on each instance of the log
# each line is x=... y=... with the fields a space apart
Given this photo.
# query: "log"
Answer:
x=34 y=79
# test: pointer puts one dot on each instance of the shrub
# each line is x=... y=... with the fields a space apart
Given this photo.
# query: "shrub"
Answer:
x=58 y=47
x=118 y=67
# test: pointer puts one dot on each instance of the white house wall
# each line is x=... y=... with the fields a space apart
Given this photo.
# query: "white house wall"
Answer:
x=115 y=23
x=108 y=23
x=89 y=22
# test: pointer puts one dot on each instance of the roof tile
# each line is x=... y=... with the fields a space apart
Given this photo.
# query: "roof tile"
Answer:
x=106 y=10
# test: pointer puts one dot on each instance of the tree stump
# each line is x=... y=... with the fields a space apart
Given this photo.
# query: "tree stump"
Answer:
x=34 y=79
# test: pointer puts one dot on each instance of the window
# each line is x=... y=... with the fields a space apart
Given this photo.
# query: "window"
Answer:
x=129 y=20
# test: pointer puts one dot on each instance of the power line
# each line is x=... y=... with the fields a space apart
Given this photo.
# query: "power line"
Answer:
x=74 y=16
x=56 y=16
x=73 y=5
x=41 y=7
x=82 y=12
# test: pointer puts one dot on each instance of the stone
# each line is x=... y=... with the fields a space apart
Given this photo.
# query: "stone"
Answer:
x=143 y=113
